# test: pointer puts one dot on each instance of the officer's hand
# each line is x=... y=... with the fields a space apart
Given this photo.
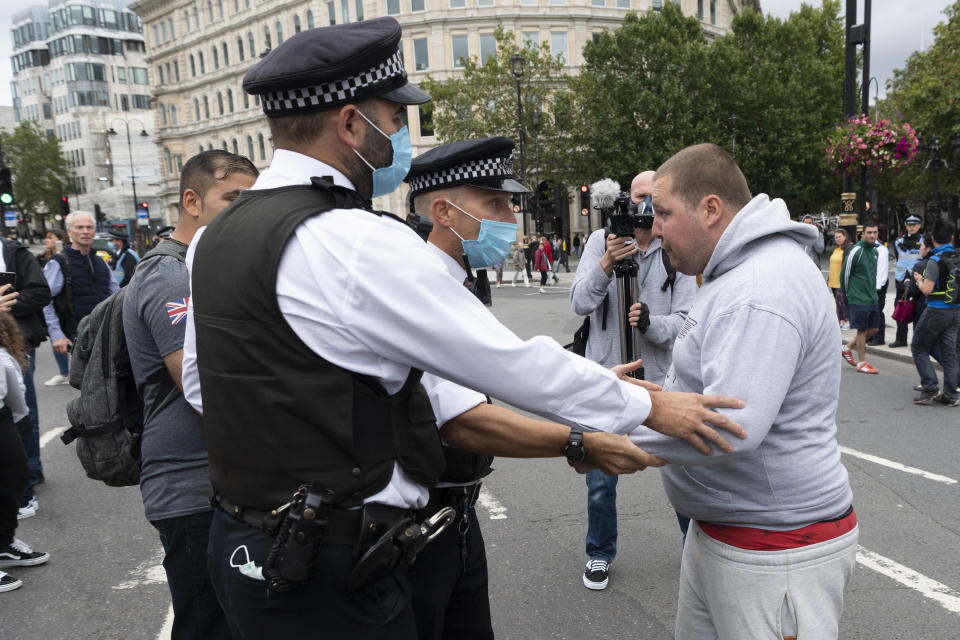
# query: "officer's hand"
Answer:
x=62 y=345
x=623 y=369
x=639 y=316
x=8 y=298
x=687 y=416
x=614 y=454
x=617 y=250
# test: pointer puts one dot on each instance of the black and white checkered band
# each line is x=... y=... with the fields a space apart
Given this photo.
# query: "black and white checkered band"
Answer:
x=292 y=101
x=486 y=168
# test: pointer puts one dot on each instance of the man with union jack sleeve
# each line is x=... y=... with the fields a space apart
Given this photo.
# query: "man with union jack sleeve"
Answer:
x=174 y=478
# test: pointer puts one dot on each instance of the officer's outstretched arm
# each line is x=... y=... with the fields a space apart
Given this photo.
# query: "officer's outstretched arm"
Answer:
x=492 y=430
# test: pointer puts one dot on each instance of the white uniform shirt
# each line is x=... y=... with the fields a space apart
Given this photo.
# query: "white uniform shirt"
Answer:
x=366 y=294
x=883 y=264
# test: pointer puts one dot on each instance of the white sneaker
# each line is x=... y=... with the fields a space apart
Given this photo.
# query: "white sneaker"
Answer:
x=57 y=380
x=596 y=574
x=8 y=582
x=543 y=290
x=28 y=511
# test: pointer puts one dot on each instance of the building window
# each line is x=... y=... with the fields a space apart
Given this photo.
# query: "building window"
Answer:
x=296 y=24
x=597 y=3
x=426 y=119
x=216 y=58
x=713 y=11
x=220 y=13
x=240 y=48
x=196 y=109
x=488 y=47
x=186 y=20
x=279 y=29
x=656 y=5
x=416 y=5
x=420 y=57
x=345 y=11
x=176 y=71
x=530 y=2
x=160 y=72
x=226 y=56
x=700 y=10
x=250 y=155
x=219 y=103
x=193 y=67
x=484 y=3
x=170 y=28
x=332 y=13
x=263 y=149
x=267 y=43
x=223 y=145
x=558 y=2
x=558 y=45
x=230 y=100
x=393 y=7
x=252 y=49
x=358 y=5
x=156 y=34
x=461 y=50
x=174 y=120
x=163 y=115
x=309 y=19
x=206 y=107
x=531 y=39
x=210 y=11
x=458 y=4
x=235 y=147
x=623 y=4
x=200 y=57
x=246 y=100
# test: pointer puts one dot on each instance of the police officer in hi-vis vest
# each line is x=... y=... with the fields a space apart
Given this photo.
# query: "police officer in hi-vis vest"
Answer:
x=906 y=252
x=306 y=345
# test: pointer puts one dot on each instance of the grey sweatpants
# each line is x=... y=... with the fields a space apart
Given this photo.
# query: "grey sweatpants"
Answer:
x=727 y=593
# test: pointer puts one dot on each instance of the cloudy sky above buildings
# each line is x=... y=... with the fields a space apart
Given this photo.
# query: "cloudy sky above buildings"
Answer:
x=899 y=28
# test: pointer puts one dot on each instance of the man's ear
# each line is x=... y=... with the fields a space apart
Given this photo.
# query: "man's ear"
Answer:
x=440 y=211
x=713 y=209
x=349 y=125
x=191 y=203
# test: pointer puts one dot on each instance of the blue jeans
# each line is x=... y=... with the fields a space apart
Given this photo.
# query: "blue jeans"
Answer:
x=601 y=515
x=196 y=612
x=937 y=330
x=63 y=361
x=32 y=444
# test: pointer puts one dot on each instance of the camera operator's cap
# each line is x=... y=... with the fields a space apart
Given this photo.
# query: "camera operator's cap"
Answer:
x=327 y=67
x=912 y=219
x=486 y=163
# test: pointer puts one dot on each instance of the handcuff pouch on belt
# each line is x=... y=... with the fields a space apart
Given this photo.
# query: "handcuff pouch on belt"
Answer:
x=386 y=541
x=294 y=552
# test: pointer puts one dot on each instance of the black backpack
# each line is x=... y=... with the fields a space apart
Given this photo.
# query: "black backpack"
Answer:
x=950 y=276
x=107 y=419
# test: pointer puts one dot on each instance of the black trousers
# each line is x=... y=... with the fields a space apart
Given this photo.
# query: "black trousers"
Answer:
x=881 y=303
x=14 y=475
x=323 y=608
x=450 y=599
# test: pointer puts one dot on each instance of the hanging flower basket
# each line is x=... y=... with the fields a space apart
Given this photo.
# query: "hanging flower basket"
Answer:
x=870 y=143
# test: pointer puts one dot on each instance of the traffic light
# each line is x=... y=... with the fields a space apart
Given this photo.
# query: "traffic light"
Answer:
x=146 y=207
x=65 y=206
x=6 y=186
x=98 y=213
x=584 y=200
x=516 y=201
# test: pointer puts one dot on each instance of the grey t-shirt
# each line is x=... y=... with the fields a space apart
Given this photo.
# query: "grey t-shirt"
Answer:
x=174 y=478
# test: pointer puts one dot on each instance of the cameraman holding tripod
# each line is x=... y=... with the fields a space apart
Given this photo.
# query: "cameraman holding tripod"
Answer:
x=664 y=298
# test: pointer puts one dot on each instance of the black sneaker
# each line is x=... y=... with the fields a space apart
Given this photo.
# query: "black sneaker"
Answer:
x=942 y=399
x=897 y=343
x=918 y=387
x=19 y=554
x=8 y=582
x=597 y=574
x=925 y=397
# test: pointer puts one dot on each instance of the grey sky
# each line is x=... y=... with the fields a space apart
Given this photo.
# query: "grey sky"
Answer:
x=899 y=28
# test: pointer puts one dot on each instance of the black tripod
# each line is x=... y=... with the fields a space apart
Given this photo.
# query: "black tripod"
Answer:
x=628 y=294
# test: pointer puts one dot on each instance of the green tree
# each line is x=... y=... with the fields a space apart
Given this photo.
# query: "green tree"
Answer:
x=926 y=93
x=482 y=102
x=40 y=171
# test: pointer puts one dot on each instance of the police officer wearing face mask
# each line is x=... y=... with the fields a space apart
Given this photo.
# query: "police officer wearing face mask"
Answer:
x=124 y=260
x=306 y=345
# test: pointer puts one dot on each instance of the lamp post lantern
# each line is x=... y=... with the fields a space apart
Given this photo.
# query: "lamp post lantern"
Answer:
x=133 y=173
x=517 y=64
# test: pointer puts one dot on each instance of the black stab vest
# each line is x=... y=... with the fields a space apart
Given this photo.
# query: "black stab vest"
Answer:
x=276 y=414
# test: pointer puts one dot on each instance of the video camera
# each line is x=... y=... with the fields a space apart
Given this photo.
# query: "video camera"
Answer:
x=623 y=214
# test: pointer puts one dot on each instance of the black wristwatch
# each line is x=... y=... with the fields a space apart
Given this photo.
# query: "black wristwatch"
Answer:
x=574 y=448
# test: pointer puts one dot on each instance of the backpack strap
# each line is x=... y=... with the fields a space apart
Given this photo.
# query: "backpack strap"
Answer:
x=671 y=272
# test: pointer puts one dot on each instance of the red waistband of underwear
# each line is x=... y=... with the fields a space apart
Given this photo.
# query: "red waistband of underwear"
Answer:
x=768 y=540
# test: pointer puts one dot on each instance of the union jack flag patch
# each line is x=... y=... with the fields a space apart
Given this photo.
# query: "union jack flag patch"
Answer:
x=177 y=310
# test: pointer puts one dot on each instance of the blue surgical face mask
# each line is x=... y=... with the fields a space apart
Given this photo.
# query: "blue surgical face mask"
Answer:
x=387 y=179
x=492 y=244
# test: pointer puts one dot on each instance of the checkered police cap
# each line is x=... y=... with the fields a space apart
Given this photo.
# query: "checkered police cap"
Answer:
x=322 y=68
x=486 y=163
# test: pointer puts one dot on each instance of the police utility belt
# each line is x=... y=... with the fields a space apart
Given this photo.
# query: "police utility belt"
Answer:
x=383 y=537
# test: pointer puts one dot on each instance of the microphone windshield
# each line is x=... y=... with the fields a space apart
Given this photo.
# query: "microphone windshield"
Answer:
x=603 y=194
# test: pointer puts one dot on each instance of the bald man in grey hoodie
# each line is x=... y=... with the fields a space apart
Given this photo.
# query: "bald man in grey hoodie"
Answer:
x=773 y=540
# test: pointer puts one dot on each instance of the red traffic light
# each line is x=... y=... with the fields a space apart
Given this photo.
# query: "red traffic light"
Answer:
x=584 y=188
x=144 y=205
x=63 y=199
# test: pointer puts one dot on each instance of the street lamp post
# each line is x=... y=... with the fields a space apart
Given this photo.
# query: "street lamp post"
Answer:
x=517 y=63
x=133 y=173
x=535 y=120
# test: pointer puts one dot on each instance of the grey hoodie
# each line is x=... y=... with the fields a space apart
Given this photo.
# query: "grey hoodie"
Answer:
x=762 y=328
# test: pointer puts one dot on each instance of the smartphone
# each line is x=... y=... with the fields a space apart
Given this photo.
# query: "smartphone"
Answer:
x=10 y=278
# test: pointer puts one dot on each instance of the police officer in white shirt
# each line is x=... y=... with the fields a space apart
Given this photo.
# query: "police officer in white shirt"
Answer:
x=309 y=343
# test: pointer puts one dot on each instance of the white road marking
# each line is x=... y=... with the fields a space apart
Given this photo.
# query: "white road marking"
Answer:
x=927 y=587
x=50 y=435
x=167 y=628
x=896 y=465
x=147 y=572
x=495 y=510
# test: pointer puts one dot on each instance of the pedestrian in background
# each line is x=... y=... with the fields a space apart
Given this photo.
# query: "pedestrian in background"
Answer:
x=52 y=244
x=14 y=471
x=859 y=283
x=843 y=244
x=541 y=264
x=519 y=261
x=815 y=250
x=576 y=244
